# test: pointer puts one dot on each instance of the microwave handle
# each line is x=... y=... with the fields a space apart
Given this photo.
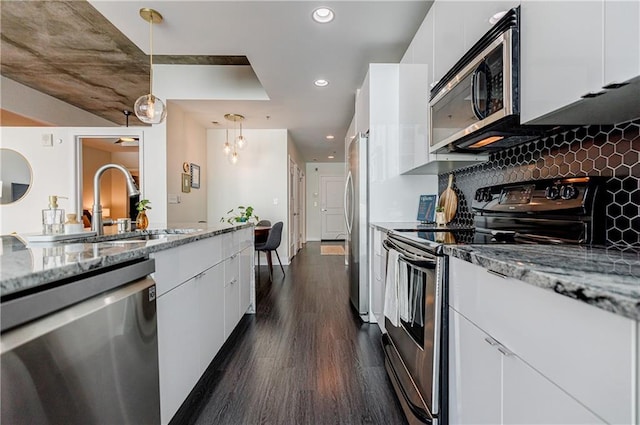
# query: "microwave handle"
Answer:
x=483 y=69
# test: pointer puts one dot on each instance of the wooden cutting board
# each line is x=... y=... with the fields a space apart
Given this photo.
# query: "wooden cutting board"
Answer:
x=449 y=201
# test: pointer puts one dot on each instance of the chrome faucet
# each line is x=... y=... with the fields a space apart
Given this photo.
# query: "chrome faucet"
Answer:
x=96 y=220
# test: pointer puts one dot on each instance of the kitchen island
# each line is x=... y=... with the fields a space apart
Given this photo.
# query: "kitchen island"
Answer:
x=204 y=284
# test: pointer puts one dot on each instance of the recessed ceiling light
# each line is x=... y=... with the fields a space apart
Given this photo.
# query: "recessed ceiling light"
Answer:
x=323 y=15
x=331 y=157
x=330 y=137
x=321 y=83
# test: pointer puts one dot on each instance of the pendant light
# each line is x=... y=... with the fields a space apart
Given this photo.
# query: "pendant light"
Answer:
x=241 y=142
x=227 y=147
x=231 y=150
x=127 y=140
x=148 y=108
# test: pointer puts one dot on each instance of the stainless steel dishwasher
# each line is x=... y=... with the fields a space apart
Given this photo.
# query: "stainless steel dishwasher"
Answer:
x=83 y=351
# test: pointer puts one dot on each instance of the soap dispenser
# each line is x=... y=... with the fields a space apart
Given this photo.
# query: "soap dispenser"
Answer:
x=53 y=217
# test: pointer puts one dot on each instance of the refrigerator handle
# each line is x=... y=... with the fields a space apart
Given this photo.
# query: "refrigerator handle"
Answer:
x=346 y=213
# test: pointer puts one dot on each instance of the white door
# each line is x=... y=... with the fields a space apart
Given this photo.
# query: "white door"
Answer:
x=331 y=207
x=294 y=215
x=301 y=209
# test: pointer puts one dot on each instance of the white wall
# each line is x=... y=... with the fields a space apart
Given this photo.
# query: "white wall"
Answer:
x=259 y=179
x=315 y=170
x=54 y=172
x=210 y=82
x=186 y=142
x=33 y=104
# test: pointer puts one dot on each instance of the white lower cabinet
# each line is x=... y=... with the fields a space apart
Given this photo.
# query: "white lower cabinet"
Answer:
x=491 y=385
x=231 y=294
x=377 y=275
x=530 y=398
x=247 y=280
x=474 y=374
x=204 y=290
x=566 y=361
x=210 y=289
x=178 y=342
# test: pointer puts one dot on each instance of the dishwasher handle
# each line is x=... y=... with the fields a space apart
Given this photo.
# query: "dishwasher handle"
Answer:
x=33 y=330
x=22 y=309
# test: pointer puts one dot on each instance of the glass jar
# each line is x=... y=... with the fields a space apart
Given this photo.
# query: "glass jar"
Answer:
x=142 y=221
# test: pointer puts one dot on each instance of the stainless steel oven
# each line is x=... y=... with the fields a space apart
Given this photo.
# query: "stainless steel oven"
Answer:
x=413 y=344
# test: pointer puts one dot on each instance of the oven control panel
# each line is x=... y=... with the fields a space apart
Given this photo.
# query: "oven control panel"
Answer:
x=549 y=195
x=516 y=195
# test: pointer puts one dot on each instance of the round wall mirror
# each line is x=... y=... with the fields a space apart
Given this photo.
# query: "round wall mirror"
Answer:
x=15 y=176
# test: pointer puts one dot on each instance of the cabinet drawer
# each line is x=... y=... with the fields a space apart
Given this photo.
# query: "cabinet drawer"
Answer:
x=231 y=270
x=177 y=265
x=230 y=244
x=588 y=352
x=245 y=238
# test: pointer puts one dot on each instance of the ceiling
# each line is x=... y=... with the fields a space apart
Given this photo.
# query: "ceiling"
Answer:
x=93 y=55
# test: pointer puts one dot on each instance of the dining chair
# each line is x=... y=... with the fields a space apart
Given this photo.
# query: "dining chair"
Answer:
x=265 y=223
x=272 y=244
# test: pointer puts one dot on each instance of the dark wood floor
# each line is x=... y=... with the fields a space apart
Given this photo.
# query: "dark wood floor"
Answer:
x=304 y=358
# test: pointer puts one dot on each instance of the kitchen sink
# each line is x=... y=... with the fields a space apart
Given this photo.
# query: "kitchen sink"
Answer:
x=171 y=234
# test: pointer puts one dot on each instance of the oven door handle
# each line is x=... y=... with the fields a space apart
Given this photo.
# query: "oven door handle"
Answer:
x=414 y=260
x=421 y=265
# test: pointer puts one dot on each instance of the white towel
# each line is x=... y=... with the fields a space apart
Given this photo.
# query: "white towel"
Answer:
x=404 y=293
x=391 y=288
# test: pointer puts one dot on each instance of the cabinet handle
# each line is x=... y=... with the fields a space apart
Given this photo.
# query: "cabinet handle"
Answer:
x=504 y=351
x=497 y=274
x=614 y=85
x=233 y=256
x=233 y=281
x=492 y=342
x=592 y=94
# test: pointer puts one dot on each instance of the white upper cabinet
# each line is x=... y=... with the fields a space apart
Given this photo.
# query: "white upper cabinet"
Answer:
x=621 y=41
x=477 y=18
x=570 y=53
x=448 y=35
x=436 y=47
x=561 y=54
x=414 y=101
x=422 y=48
x=362 y=107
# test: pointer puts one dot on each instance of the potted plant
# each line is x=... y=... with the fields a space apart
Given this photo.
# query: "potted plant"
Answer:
x=440 y=218
x=142 y=221
x=243 y=215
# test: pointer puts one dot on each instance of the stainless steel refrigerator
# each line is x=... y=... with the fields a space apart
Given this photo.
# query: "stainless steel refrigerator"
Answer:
x=356 y=195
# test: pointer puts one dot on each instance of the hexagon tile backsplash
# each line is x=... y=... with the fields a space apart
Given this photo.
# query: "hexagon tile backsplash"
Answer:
x=596 y=150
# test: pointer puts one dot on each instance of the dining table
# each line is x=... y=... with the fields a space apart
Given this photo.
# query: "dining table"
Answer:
x=260 y=235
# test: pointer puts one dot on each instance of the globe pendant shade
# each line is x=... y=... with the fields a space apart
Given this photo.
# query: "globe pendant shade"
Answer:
x=149 y=109
x=241 y=142
x=233 y=158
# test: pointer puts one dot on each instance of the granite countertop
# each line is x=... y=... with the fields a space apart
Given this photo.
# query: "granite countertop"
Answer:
x=27 y=265
x=605 y=277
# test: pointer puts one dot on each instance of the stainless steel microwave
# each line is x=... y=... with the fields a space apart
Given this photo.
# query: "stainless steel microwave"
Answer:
x=476 y=106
